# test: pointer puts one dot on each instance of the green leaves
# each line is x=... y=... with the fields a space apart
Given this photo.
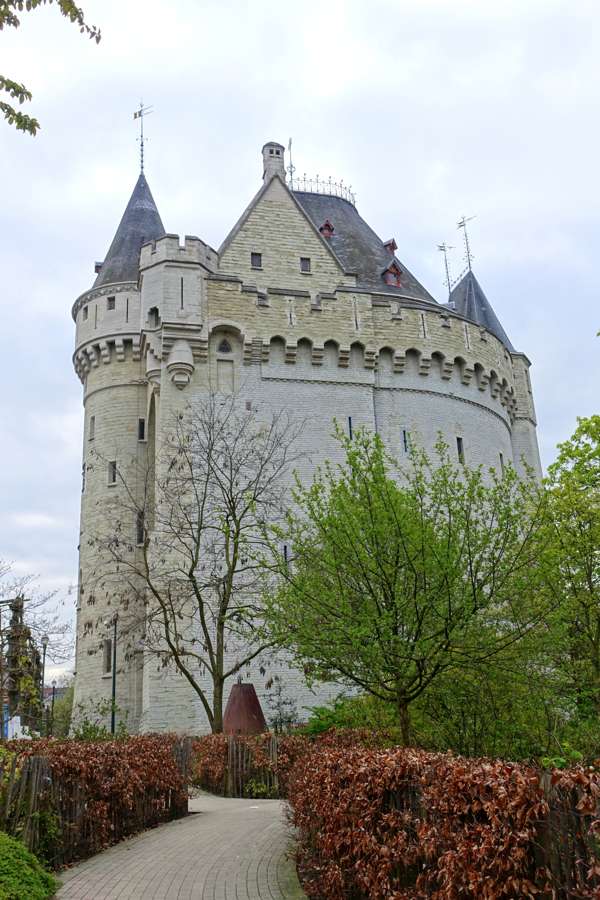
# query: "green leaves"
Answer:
x=16 y=91
x=396 y=577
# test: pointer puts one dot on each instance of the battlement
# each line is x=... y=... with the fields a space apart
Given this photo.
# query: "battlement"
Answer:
x=170 y=249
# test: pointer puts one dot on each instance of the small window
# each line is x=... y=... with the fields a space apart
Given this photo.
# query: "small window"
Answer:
x=110 y=302
x=460 y=449
x=140 y=531
x=286 y=559
x=83 y=469
x=224 y=346
x=502 y=463
x=153 y=317
x=107 y=656
x=256 y=259
x=112 y=472
x=305 y=264
x=92 y=428
x=350 y=427
x=141 y=429
x=406 y=440
x=85 y=313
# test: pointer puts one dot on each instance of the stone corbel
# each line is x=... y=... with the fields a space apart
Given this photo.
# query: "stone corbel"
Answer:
x=291 y=349
x=399 y=362
x=317 y=354
x=370 y=358
x=447 y=369
x=483 y=380
x=344 y=357
x=181 y=364
x=467 y=374
x=424 y=365
x=120 y=349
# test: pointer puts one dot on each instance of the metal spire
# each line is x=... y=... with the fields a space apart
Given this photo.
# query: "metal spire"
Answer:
x=443 y=248
x=291 y=168
x=462 y=223
x=139 y=114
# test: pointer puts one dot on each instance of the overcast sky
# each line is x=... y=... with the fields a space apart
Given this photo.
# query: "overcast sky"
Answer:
x=431 y=109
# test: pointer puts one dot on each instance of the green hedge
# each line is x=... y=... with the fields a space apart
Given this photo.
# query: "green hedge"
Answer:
x=21 y=874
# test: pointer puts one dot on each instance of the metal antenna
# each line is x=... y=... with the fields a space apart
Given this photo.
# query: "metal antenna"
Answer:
x=443 y=248
x=462 y=223
x=139 y=114
x=291 y=168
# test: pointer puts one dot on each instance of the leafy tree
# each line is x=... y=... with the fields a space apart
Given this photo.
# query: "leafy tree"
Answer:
x=392 y=584
x=219 y=476
x=10 y=11
x=574 y=484
x=63 y=707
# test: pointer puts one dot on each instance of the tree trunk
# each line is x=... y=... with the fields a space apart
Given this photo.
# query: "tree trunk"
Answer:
x=404 y=718
x=217 y=723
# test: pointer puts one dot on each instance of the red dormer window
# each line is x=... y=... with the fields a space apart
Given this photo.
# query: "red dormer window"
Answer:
x=326 y=229
x=391 y=245
x=393 y=275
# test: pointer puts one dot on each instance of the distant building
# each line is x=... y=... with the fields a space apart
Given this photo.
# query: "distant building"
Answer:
x=304 y=308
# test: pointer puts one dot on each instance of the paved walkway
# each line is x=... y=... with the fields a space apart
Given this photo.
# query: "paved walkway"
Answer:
x=227 y=850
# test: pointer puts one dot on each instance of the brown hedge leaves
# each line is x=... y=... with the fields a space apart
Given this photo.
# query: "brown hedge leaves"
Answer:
x=404 y=823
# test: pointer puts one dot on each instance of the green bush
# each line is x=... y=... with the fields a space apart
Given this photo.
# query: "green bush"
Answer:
x=21 y=874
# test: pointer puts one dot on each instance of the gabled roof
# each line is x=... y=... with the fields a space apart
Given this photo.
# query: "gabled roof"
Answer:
x=357 y=246
x=141 y=222
x=254 y=202
x=468 y=299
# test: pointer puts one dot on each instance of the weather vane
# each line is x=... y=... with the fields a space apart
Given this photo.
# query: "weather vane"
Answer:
x=462 y=223
x=139 y=114
x=291 y=168
x=443 y=248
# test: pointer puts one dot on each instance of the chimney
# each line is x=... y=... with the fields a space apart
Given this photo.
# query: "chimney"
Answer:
x=273 y=162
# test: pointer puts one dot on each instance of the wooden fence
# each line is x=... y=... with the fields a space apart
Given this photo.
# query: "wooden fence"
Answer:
x=60 y=823
x=246 y=778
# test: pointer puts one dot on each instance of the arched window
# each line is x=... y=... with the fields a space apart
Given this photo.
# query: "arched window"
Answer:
x=224 y=346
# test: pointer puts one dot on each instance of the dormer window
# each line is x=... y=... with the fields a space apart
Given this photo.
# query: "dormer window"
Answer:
x=326 y=229
x=391 y=245
x=393 y=275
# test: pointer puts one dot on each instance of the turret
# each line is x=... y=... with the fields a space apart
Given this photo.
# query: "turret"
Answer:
x=469 y=300
x=107 y=360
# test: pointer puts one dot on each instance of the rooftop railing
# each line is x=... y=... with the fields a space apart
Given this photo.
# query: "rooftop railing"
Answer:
x=327 y=186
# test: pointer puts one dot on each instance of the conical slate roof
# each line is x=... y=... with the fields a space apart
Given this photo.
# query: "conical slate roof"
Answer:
x=141 y=222
x=468 y=299
x=357 y=246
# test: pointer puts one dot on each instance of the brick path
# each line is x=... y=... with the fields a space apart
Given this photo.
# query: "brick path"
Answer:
x=228 y=850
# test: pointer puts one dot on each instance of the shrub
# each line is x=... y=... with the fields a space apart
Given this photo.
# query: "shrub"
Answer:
x=21 y=874
x=97 y=792
x=404 y=823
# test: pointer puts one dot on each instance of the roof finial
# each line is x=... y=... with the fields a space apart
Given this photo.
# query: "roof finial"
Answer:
x=444 y=247
x=139 y=114
x=291 y=168
x=462 y=223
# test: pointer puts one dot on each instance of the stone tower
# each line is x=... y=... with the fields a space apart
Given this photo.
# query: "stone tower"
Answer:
x=303 y=308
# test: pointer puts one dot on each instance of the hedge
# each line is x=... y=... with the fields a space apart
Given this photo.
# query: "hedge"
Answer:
x=404 y=823
x=68 y=799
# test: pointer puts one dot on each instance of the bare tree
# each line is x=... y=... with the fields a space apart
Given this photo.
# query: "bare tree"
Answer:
x=208 y=491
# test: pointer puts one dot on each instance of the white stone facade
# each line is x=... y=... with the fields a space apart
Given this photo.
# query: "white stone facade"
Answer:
x=314 y=343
